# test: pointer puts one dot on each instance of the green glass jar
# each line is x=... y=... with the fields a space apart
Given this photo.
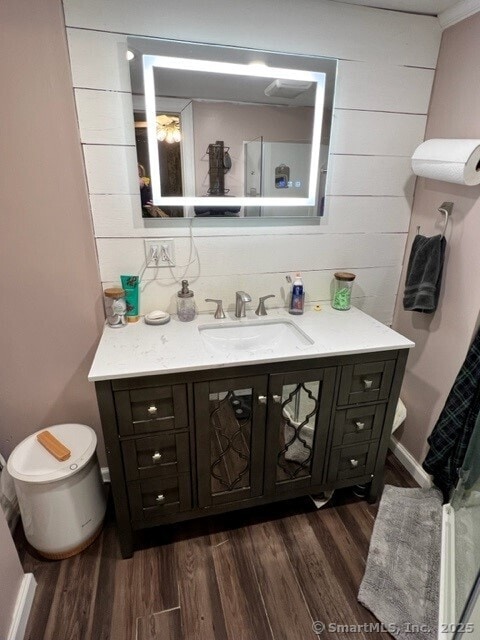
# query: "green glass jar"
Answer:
x=342 y=290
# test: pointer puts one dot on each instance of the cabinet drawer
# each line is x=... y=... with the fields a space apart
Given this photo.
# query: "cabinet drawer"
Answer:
x=152 y=409
x=367 y=382
x=165 y=454
x=159 y=496
x=359 y=424
x=352 y=462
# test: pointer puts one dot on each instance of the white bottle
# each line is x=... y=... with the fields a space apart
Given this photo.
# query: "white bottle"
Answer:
x=297 y=300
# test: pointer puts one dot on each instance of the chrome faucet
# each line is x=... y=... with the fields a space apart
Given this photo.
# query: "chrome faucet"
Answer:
x=240 y=299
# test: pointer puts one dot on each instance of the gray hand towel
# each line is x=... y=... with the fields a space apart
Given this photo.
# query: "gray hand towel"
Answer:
x=424 y=274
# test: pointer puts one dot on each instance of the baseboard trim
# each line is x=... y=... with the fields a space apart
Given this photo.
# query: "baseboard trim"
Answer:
x=22 y=609
x=458 y=12
x=413 y=467
x=105 y=471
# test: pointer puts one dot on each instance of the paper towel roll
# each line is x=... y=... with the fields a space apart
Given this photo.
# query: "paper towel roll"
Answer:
x=449 y=160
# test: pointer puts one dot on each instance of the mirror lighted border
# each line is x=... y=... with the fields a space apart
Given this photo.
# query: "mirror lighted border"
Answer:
x=150 y=62
x=251 y=199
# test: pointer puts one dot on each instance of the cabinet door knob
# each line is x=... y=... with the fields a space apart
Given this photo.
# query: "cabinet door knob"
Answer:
x=360 y=426
x=353 y=463
x=277 y=399
x=157 y=456
x=262 y=399
x=160 y=498
x=152 y=410
x=367 y=384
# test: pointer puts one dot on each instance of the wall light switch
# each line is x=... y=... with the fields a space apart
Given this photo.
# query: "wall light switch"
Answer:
x=160 y=253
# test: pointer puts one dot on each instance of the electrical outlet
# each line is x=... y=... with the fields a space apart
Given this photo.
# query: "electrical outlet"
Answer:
x=163 y=249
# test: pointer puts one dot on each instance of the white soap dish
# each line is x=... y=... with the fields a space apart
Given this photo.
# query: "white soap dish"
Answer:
x=157 y=317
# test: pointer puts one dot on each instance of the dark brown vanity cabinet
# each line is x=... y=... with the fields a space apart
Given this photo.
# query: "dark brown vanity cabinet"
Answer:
x=261 y=435
x=186 y=445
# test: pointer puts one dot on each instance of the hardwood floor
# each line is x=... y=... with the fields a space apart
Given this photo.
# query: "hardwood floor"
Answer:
x=260 y=574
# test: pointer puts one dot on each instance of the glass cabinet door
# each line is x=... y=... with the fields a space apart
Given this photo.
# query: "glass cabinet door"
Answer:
x=230 y=428
x=298 y=421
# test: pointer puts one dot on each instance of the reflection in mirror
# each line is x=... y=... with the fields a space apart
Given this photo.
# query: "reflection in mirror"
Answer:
x=229 y=132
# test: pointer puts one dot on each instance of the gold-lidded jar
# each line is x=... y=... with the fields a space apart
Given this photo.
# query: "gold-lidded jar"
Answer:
x=342 y=290
x=115 y=306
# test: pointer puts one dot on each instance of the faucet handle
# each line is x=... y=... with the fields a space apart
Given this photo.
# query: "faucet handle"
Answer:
x=261 y=311
x=219 y=312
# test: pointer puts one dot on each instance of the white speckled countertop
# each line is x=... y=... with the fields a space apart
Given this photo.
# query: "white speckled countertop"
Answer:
x=139 y=349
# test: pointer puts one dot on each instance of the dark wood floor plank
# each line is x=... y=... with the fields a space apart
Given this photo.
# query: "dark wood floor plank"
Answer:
x=73 y=605
x=142 y=587
x=355 y=517
x=327 y=601
x=200 y=606
x=396 y=474
x=103 y=612
x=46 y=575
x=348 y=555
x=347 y=564
x=339 y=543
x=244 y=613
x=283 y=599
x=165 y=625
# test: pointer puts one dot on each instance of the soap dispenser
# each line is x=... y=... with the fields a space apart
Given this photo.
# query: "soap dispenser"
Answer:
x=185 y=303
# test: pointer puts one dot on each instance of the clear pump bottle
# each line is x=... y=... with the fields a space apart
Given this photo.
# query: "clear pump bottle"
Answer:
x=186 y=310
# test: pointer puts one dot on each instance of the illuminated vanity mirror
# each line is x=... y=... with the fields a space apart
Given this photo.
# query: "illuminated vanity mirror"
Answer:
x=229 y=132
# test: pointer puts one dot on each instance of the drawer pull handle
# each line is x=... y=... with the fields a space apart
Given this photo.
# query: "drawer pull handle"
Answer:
x=262 y=399
x=157 y=456
x=152 y=410
x=160 y=498
x=277 y=399
x=367 y=384
x=360 y=426
x=353 y=463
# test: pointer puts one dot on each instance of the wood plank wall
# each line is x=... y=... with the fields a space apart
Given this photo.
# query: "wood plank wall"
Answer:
x=385 y=74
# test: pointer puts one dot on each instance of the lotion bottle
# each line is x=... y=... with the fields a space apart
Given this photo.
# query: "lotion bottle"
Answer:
x=297 y=300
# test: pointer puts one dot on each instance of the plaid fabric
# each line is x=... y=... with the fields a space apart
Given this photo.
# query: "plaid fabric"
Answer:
x=450 y=436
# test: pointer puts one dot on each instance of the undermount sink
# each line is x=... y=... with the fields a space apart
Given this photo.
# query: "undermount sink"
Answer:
x=255 y=336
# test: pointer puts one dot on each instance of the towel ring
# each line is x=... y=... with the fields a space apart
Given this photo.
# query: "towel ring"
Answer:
x=446 y=208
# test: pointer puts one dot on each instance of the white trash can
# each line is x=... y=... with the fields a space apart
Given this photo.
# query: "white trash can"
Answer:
x=62 y=504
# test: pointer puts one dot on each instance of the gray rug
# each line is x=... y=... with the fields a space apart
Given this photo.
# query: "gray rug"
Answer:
x=401 y=581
